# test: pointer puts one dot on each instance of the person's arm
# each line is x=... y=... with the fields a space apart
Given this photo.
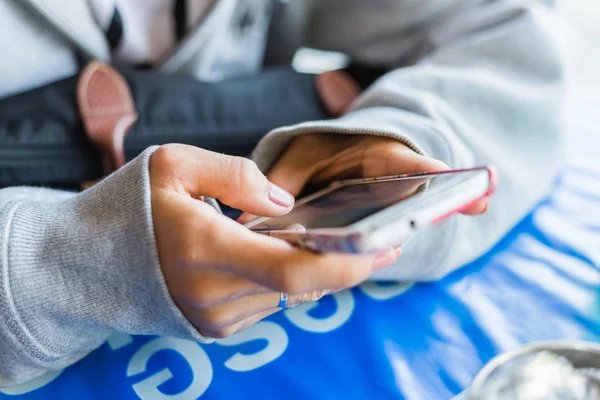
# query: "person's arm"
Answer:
x=486 y=87
x=141 y=253
x=74 y=268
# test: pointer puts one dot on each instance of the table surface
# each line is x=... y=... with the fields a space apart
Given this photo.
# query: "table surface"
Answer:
x=541 y=282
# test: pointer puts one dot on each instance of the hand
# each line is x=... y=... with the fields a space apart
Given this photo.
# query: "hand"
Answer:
x=221 y=275
x=322 y=158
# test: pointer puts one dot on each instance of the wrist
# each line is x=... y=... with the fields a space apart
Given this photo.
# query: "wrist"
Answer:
x=84 y=267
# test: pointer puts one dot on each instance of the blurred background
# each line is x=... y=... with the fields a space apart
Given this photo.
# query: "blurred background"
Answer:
x=584 y=19
x=582 y=24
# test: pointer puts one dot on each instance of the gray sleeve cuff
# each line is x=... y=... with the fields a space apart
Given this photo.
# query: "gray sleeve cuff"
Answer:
x=73 y=271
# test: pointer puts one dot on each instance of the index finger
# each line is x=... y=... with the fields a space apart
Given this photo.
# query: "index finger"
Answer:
x=277 y=264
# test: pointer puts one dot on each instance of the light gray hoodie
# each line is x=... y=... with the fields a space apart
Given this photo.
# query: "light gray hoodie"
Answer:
x=475 y=82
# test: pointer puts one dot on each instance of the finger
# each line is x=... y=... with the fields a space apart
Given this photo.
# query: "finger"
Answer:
x=286 y=173
x=223 y=244
x=207 y=288
x=386 y=258
x=477 y=208
x=272 y=262
x=231 y=313
x=240 y=326
x=297 y=271
x=245 y=218
x=306 y=156
x=403 y=160
x=235 y=181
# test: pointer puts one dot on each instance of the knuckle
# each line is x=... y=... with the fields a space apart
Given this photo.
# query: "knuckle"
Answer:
x=189 y=255
x=351 y=276
x=232 y=329
x=184 y=252
x=247 y=165
x=223 y=333
x=165 y=156
x=214 y=320
x=205 y=297
x=245 y=172
x=237 y=177
x=210 y=293
x=241 y=169
x=284 y=279
x=275 y=277
x=165 y=165
x=212 y=225
x=214 y=237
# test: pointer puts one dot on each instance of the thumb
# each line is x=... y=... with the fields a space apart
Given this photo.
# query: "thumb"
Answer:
x=290 y=171
x=235 y=181
x=285 y=174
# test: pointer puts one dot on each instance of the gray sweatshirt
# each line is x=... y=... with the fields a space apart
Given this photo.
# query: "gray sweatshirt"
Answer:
x=474 y=82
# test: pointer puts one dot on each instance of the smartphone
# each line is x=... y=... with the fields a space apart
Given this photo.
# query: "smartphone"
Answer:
x=369 y=215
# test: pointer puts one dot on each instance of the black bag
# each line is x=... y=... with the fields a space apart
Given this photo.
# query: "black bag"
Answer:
x=42 y=139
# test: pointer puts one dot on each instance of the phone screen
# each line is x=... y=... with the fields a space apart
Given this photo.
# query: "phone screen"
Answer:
x=347 y=204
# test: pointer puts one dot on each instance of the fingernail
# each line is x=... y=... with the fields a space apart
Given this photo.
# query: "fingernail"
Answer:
x=280 y=197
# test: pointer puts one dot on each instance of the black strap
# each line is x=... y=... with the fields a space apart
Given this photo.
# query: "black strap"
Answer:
x=180 y=14
x=42 y=141
x=114 y=34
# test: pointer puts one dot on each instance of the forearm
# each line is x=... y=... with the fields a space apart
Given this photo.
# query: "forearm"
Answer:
x=77 y=267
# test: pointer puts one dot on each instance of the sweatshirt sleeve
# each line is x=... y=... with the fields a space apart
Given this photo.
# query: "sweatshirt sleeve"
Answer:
x=74 y=268
x=483 y=83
